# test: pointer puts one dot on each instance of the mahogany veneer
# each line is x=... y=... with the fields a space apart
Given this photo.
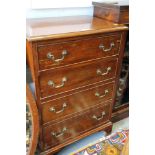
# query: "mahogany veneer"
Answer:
x=76 y=76
x=74 y=103
x=75 y=63
x=76 y=125
x=88 y=45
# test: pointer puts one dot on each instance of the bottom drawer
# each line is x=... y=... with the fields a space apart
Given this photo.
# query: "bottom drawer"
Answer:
x=62 y=131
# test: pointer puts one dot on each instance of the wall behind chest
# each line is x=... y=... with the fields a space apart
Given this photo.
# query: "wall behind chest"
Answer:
x=59 y=8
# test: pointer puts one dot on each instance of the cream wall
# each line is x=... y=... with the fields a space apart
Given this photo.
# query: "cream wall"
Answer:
x=39 y=13
x=58 y=8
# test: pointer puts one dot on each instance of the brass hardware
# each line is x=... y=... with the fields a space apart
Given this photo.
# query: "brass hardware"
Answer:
x=101 y=46
x=101 y=96
x=99 y=118
x=99 y=72
x=51 y=83
x=52 y=109
x=59 y=134
x=51 y=56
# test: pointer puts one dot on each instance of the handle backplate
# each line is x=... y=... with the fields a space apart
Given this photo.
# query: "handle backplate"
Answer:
x=52 y=57
x=102 y=47
x=99 y=72
x=106 y=91
x=60 y=133
x=99 y=118
x=51 y=83
x=52 y=109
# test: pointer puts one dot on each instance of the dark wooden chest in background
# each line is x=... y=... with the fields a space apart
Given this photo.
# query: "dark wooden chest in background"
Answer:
x=117 y=12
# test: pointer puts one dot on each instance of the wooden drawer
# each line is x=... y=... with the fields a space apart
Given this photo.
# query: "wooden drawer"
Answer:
x=59 y=108
x=68 y=78
x=62 y=131
x=64 y=53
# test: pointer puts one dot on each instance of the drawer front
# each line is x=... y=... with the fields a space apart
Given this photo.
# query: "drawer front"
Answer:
x=74 y=126
x=77 y=102
x=68 y=78
x=64 y=53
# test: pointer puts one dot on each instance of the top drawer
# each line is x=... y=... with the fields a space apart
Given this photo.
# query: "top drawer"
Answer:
x=68 y=52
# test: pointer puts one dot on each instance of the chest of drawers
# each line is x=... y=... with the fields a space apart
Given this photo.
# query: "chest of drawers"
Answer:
x=75 y=63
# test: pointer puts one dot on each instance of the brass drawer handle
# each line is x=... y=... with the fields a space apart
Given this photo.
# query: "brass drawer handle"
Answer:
x=59 y=134
x=52 y=109
x=101 y=96
x=99 y=72
x=99 y=118
x=51 y=83
x=52 y=57
x=101 y=46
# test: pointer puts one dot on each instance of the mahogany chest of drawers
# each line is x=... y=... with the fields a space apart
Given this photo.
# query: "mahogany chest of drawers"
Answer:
x=75 y=63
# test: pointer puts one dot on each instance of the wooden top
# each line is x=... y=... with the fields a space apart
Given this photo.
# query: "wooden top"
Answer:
x=63 y=27
x=124 y=4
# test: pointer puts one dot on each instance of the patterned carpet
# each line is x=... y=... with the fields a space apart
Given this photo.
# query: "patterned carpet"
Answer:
x=110 y=145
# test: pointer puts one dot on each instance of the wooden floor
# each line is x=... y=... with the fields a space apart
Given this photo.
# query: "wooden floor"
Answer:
x=125 y=150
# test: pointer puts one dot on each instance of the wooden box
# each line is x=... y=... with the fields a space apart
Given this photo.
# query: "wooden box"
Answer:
x=117 y=12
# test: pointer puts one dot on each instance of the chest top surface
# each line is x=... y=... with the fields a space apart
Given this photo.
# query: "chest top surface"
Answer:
x=62 y=27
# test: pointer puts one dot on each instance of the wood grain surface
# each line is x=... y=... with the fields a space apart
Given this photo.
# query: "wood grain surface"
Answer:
x=52 y=28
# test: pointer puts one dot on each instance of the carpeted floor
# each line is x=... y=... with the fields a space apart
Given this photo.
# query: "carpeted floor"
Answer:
x=123 y=124
x=110 y=145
